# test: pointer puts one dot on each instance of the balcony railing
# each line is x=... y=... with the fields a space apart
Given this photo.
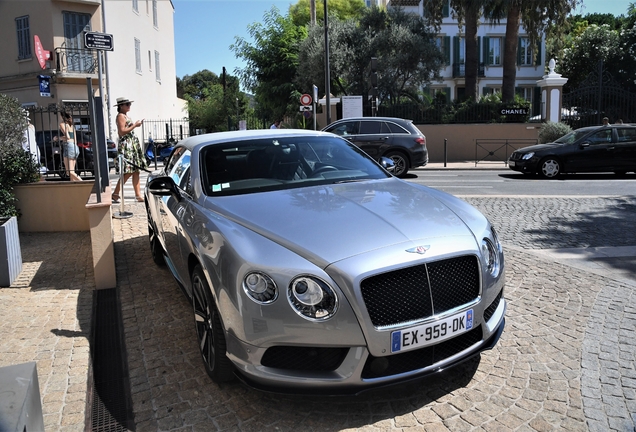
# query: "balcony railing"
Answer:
x=459 y=70
x=76 y=61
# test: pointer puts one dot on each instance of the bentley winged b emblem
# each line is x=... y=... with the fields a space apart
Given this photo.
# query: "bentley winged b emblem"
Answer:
x=419 y=249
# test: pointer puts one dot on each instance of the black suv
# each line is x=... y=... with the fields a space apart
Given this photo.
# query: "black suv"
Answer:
x=390 y=137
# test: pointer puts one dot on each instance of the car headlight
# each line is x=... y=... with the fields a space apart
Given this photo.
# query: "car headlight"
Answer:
x=491 y=256
x=312 y=298
x=260 y=287
x=527 y=156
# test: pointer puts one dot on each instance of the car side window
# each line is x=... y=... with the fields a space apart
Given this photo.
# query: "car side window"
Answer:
x=174 y=157
x=626 y=134
x=369 y=127
x=600 y=137
x=346 y=128
x=397 y=129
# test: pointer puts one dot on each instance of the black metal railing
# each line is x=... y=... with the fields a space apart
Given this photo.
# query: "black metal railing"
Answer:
x=498 y=150
x=74 y=60
x=459 y=70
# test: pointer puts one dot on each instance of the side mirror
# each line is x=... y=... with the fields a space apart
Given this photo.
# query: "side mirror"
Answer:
x=164 y=186
x=387 y=164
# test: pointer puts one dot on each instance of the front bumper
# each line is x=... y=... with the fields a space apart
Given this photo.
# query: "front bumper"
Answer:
x=355 y=373
x=525 y=166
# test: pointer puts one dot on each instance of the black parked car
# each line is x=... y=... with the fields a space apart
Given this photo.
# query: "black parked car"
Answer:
x=395 y=138
x=609 y=148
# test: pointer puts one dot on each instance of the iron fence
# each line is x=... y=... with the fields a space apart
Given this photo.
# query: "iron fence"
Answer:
x=73 y=60
x=498 y=150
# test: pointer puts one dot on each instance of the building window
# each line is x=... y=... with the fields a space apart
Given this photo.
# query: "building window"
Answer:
x=443 y=43
x=138 y=55
x=525 y=92
x=525 y=52
x=149 y=61
x=24 y=37
x=136 y=5
x=155 y=22
x=490 y=90
x=147 y=7
x=157 y=68
x=494 y=51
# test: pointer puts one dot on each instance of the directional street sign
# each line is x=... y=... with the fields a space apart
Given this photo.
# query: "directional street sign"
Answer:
x=98 y=41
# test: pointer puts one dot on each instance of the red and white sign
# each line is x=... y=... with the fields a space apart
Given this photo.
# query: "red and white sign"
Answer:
x=305 y=99
x=42 y=54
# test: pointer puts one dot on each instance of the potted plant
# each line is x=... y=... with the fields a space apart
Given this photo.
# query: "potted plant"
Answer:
x=16 y=166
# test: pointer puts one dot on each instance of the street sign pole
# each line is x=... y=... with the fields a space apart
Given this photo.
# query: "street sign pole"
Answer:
x=314 y=104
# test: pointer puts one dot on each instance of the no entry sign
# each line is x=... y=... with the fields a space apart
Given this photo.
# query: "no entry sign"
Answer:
x=305 y=99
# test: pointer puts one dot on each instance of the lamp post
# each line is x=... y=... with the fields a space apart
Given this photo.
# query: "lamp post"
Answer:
x=327 y=75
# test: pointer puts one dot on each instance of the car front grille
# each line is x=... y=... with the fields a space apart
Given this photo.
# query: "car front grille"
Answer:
x=376 y=367
x=304 y=358
x=515 y=156
x=418 y=292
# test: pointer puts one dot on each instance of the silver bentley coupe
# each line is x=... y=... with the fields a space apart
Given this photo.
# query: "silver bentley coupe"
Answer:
x=309 y=266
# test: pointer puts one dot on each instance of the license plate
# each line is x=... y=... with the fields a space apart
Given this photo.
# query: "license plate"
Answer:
x=511 y=163
x=431 y=333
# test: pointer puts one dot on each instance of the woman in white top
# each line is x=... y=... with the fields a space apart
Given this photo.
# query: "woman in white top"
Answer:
x=70 y=151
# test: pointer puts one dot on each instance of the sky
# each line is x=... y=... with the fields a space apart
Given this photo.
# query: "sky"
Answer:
x=205 y=29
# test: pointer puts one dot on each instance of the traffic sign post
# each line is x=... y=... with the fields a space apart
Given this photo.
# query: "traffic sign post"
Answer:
x=305 y=99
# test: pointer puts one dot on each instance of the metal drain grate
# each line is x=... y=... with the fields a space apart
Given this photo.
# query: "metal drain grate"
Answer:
x=111 y=402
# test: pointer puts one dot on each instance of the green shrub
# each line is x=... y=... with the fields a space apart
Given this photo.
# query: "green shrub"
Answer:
x=551 y=131
x=16 y=164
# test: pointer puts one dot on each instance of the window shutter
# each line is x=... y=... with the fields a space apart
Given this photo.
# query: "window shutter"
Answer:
x=455 y=49
x=486 y=50
x=446 y=10
x=519 y=91
x=519 y=52
x=537 y=60
x=447 y=50
x=479 y=59
x=486 y=91
x=447 y=94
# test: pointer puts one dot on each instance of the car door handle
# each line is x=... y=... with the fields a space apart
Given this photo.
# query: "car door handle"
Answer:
x=611 y=148
x=384 y=138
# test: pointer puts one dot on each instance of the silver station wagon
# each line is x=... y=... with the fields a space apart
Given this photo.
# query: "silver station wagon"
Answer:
x=311 y=268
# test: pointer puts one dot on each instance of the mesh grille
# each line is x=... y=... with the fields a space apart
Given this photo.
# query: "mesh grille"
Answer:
x=405 y=295
x=490 y=310
x=304 y=358
x=376 y=367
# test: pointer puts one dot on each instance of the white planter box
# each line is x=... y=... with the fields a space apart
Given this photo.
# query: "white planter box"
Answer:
x=10 y=252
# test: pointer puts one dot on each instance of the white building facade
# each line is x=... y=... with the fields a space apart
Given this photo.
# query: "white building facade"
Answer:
x=141 y=66
x=490 y=37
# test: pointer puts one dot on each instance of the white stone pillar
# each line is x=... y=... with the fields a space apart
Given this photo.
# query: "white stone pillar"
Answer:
x=551 y=94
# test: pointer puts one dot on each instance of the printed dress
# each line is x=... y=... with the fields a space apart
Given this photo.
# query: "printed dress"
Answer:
x=130 y=147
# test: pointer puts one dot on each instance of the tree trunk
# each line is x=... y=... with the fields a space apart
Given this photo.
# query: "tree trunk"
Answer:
x=312 y=12
x=510 y=53
x=472 y=51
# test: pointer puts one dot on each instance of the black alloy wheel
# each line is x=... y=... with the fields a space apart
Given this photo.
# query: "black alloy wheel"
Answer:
x=550 y=167
x=155 y=245
x=401 y=163
x=210 y=335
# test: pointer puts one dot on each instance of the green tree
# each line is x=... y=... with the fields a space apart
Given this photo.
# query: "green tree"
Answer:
x=402 y=42
x=213 y=101
x=341 y=9
x=16 y=164
x=271 y=63
x=596 y=43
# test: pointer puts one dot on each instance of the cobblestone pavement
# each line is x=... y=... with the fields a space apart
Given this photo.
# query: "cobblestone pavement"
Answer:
x=45 y=318
x=566 y=360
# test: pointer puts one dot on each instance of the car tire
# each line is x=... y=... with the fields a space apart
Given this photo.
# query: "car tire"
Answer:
x=155 y=245
x=210 y=333
x=550 y=167
x=401 y=163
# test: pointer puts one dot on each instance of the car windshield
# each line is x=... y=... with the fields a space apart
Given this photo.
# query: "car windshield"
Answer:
x=283 y=163
x=573 y=136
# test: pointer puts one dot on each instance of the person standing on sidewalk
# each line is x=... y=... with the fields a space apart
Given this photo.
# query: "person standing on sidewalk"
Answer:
x=70 y=151
x=130 y=147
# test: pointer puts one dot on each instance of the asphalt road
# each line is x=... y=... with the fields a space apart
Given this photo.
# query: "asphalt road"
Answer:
x=505 y=182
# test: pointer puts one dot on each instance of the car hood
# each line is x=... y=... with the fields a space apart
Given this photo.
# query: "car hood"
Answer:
x=538 y=147
x=326 y=224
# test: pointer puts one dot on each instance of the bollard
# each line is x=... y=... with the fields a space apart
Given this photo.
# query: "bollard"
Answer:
x=121 y=214
x=445 y=152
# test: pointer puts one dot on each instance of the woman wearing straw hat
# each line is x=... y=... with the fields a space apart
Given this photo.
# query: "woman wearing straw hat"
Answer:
x=129 y=146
